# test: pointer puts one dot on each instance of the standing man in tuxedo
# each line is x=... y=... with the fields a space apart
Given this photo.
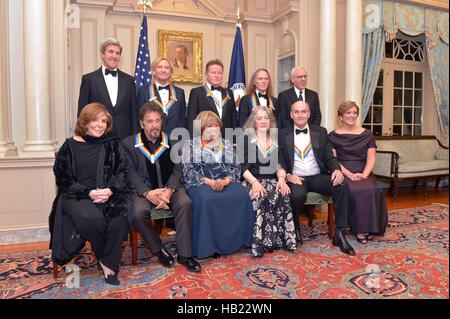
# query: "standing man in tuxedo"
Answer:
x=259 y=92
x=112 y=88
x=306 y=155
x=299 y=92
x=211 y=96
x=168 y=97
x=155 y=182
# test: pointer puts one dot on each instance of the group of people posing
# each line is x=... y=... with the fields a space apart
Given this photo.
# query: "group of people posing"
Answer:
x=226 y=194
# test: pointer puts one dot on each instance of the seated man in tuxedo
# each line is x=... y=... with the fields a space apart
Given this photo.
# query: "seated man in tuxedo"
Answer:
x=211 y=96
x=168 y=96
x=112 y=88
x=306 y=155
x=299 y=92
x=155 y=182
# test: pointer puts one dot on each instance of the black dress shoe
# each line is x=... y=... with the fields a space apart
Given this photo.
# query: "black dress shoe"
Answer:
x=165 y=258
x=112 y=280
x=340 y=241
x=215 y=256
x=191 y=264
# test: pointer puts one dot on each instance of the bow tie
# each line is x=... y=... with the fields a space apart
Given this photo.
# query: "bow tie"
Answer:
x=113 y=73
x=262 y=95
x=160 y=87
x=216 y=88
x=298 y=131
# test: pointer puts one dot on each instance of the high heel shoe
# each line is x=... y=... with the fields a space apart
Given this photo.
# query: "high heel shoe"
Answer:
x=370 y=237
x=363 y=240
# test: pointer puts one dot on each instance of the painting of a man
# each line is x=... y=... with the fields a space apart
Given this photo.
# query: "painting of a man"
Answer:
x=181 y=56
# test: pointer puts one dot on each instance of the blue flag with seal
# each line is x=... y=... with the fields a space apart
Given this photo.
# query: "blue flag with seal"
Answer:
x=236 y=79
x=142 y=72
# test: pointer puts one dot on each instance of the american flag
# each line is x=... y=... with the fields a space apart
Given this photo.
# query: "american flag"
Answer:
x=142 y=73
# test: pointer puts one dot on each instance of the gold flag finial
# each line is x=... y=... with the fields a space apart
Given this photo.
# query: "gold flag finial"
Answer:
x=145 y=4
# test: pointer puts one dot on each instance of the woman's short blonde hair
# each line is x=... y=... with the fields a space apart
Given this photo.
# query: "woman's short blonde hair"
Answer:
x=89 y=113
x=208 y=117
x=347 y=105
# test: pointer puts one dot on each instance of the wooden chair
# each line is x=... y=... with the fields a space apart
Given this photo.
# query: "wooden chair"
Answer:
x=158 y=216
x=56 y=267
x=319 y=199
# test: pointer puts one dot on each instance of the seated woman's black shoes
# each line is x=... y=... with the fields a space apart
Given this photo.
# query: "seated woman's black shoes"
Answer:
x=362 y=240
x=165 y=258
x=215 y=256
x=191 y=264
x=112 y=279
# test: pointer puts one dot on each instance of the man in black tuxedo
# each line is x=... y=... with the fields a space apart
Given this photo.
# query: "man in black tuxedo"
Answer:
x=298 y=92
x=211 y=96
x=306 y=155
x=169 y=97
x=155 y=182
x=112 y=88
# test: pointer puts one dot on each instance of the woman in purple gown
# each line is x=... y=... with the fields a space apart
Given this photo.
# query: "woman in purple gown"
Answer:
x=354 y=147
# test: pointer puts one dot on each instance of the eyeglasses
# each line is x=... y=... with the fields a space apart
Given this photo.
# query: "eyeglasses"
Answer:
x=301 y=76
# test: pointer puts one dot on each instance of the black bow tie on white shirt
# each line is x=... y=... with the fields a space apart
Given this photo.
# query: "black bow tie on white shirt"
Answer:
x=160 y=87
x=262 y=95
x=298 y=131
x=113 y=73
x=216 y=88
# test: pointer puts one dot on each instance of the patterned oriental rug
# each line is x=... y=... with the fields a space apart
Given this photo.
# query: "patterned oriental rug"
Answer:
x=410 y=261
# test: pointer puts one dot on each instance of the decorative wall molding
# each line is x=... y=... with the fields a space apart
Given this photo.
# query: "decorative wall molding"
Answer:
x=290 y=8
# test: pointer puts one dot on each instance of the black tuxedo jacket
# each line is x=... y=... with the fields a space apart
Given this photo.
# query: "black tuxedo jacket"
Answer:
x=138 y=179
x=245 y=108
x=288 y=97
x=199 y=102
x=176 y=117
x=93 y=89
x=321 y=147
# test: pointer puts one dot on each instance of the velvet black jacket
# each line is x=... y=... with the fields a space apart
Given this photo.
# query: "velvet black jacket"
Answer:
x=65 y=242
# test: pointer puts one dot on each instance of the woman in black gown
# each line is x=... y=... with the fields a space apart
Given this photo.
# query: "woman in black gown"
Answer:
x=274 y=226
x=354 y=147
x=92 y=202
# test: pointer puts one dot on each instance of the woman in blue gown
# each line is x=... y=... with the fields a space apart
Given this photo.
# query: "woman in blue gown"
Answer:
x=223 y=217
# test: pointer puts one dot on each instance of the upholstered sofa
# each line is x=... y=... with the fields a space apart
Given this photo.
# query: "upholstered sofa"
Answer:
x=410 y=157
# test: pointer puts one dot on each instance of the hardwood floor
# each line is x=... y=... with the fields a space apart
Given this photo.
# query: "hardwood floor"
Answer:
x=407 y=197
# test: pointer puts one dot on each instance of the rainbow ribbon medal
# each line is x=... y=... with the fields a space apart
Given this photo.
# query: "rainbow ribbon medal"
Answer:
x=269 y=150
x=170 y=103
x=304 y=153
x=219 y=104
x=217 y=155
x=159 y=151
x=254 y=100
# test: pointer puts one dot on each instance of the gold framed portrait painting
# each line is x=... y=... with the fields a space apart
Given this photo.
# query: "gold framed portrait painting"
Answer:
x=184 y=50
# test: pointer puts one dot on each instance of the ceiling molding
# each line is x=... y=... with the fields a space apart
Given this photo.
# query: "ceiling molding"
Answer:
x=291 y=7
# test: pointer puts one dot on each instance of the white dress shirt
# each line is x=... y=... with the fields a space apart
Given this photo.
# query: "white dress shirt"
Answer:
x=307 y=166
x=297 y=91
x=163 y=94
x=112 y=84
x=217 y=99
x=262 y=100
